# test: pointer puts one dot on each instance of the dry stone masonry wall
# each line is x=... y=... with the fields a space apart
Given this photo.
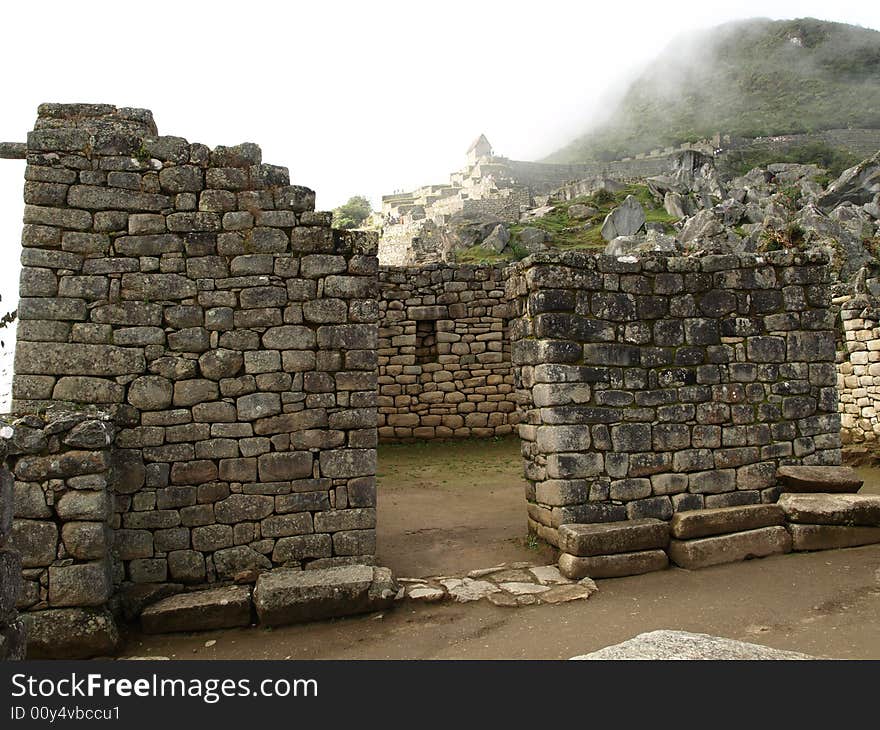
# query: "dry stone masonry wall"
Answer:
x=230 y=333
x=659 y=385
x=858 y=370
x=444 y=354
x=12 y=631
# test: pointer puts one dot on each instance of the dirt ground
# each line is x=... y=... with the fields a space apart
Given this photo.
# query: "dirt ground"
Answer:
x=450 y=508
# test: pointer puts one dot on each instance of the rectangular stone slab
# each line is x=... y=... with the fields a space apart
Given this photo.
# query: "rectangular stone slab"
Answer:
x=724 y=520
x=216 y=608
x=612 y=566
x=832 y=509
x=829 y=537
x=843 y=479
x=609 y=538
x=288 y=596
x=732 y=548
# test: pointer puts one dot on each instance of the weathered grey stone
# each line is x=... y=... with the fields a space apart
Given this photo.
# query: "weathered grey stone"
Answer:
x=90 y=435
x=241 y=507
x=84 y=505
x=625 y=220
x=297 y=548
x=70 y=633
x=57 y=358
x=229 y=562
x=215 y=608
x=703 y=552
x=613 y=537
x=86 y=540
x=668 y=645
x=151 y=393
x=828 y=537
x=258 y=405
x=36 y=541
x=282 y=466
x=832 y=509
x=287 y=596
x=819 y=479
x=612 y=566
x=81 y=584
x=702 y=523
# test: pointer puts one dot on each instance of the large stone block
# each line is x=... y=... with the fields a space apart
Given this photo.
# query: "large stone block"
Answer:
x=828 y=537
x=730 y=548
x=832 y=509
x=215 y=608
x=230 y=562
x=80 y=584
x=702 y=523
x=59 y=358
x=70 y=633
x=819 y=479
x=36 y=541
x=286 y=596
x=613 y=537
x=612 y=566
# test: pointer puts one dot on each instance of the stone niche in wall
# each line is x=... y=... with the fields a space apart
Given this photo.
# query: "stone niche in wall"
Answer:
x=197 y=297
x=657 y=385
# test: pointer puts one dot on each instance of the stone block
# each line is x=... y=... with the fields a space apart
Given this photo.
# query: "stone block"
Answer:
x=842 y=479
x=832 y=509
x=706 y=522
x=613 y=537
x=81 y=584
x=231 y=562
x=731 y=548
x=828 y=537
x=215 y=608
x=286 y=596
x=36 y=541
x=612 y=566
x=70 y=633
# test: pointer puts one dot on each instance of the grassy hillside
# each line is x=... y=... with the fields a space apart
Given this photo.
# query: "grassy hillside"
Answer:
x=566 y=233
x=750 y=78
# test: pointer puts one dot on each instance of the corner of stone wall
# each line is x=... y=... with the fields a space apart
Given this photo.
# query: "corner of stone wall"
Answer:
x=63 y=515
x=655 y=385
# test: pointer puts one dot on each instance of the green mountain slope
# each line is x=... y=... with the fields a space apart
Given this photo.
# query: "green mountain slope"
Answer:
x=750 y=78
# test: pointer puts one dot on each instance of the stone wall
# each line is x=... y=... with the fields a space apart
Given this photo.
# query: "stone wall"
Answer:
x=444 y=353
x=858 y=370
x=230 y=333
x=12 y=631
x=659 y=385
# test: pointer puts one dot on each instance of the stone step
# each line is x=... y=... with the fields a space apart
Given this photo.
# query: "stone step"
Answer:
x=724 y=520
x=287 y=596
x=612 y=566
x=706 y=551
x=609 y=538
x=841 y=479
x=832 y=509
x=830 y=537
x=215 y=608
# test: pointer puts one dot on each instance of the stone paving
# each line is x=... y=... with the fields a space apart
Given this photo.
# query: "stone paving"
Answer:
x=507 y=584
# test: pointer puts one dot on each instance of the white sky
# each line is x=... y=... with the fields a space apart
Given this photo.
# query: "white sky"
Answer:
x=354 y=97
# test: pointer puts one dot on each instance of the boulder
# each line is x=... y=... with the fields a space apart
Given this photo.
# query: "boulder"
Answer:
x=498 y=239
x=625 y=220
x=532 y=239
x=70 y=633
x=286 y=596
x=843 y=479
x=858 y=184
x=683 y=645
x=581 y=212
x=215 y=608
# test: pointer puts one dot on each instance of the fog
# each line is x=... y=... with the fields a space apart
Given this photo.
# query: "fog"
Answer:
x=355 y=98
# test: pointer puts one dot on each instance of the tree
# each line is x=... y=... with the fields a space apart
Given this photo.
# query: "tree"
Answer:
x=352 y=213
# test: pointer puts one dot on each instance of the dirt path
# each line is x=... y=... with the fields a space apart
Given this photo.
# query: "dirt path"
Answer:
x=450 y=508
